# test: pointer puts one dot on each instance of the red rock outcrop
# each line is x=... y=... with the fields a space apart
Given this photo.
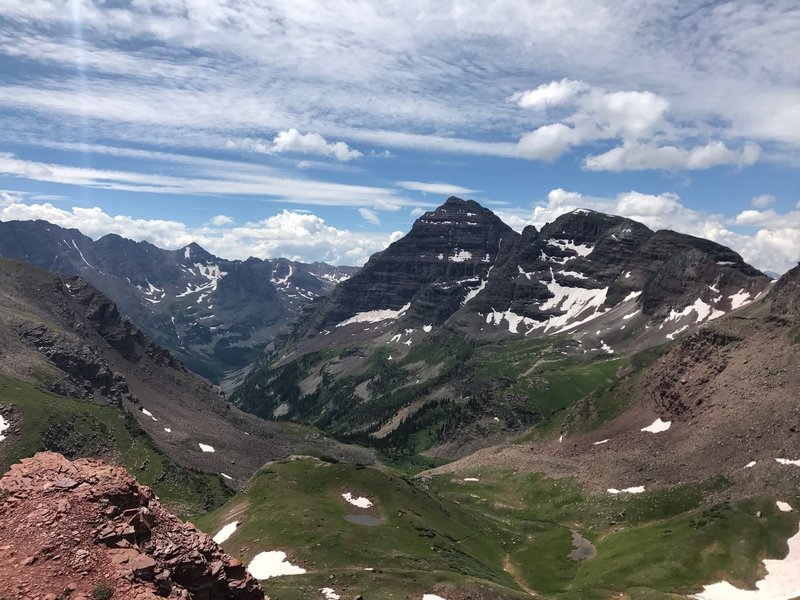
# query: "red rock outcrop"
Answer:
x=78 y=529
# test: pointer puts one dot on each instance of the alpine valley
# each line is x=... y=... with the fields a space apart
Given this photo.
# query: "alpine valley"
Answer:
x=592 y=409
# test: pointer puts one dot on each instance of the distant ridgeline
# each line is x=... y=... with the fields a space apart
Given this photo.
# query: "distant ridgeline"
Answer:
x=217 y=316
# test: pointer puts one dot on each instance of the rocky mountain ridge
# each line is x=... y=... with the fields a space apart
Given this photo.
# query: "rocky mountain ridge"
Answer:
x=80 y=529
x=215 y=315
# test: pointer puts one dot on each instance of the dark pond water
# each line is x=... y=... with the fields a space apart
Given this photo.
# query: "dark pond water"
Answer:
x=581 y=547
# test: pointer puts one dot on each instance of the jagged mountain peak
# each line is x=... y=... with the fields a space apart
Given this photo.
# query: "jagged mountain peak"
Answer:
x=194 y=252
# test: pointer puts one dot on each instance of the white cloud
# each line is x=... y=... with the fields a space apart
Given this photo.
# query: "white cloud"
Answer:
x=370 y=216
x=208 y=69
x=435 y=187
x=767 y=239
x=629 y=114
x=221 y=220
x=7 y=198
x=548 y=142
x=292 y=140
x=554 y=93
x=763 y=201
x=292 y=234
x=417 y=212
x=635 y=157
x=210 y=177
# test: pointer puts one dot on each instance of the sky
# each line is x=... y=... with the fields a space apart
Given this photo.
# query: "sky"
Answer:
x=320 y=130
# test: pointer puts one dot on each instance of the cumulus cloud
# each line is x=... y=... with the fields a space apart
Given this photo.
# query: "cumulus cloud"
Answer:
x=221 y=220
x=291 y=140
x=548 y=142
x=633 y=117
x=636 y=157
x=763 y=201
x=554 y=93
x=435 y=187
x=8 y=198
x=767 y=239
x=370 y=216
x=417 y=212
x=291 y=234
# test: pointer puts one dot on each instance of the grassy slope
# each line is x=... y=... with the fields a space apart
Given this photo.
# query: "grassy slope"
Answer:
x=657 y=542
x=77 y=428
x=503 y=533
x=296 y=506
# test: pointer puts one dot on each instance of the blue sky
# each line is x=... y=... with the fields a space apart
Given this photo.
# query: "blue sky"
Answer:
x=319 y=131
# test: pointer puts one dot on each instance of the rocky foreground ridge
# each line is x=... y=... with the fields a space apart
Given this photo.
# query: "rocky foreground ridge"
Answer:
x=79 y=529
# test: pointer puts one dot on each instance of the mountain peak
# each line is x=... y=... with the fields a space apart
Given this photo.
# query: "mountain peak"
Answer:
x=460 y=213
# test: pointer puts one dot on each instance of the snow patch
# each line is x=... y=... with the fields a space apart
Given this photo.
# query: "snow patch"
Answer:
x=782 y=581
x=574 y=274
x=739 y=299
x=600 y=442
x=677 y=332
x=432 y=597
x=427 y=328
x=167 y=429
x=206 y=447
x=228 y=477
x=632 y=296
x=226 y=532
x=704 y=312
x=3 y=426
x=750 y=465
x=460 y=256
x=329 y=593
x=786 y=461
x=360 y=502
x=471 y=479
x=147 y=413
x=272 y=564
x=631 y=490
x=783 y=506
x=579 y=249
x=375 y=316
x=657 y=426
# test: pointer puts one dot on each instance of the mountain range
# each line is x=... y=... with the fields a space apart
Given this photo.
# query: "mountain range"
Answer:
x=588 y=410
x=409 y=336
x=217 y=316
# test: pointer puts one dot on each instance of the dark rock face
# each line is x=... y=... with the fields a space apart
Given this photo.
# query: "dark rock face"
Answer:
x=447 y=253
x=215 y=315
x=105 y=528
x=461 y=262
x=785 y=295
x=89 y=374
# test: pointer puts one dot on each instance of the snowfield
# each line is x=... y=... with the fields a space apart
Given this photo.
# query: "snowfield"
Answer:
x=375 y=316
x=782 y=581
x=226 y=532
x=657 y=426
x=360 y=501
x=272 y=564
